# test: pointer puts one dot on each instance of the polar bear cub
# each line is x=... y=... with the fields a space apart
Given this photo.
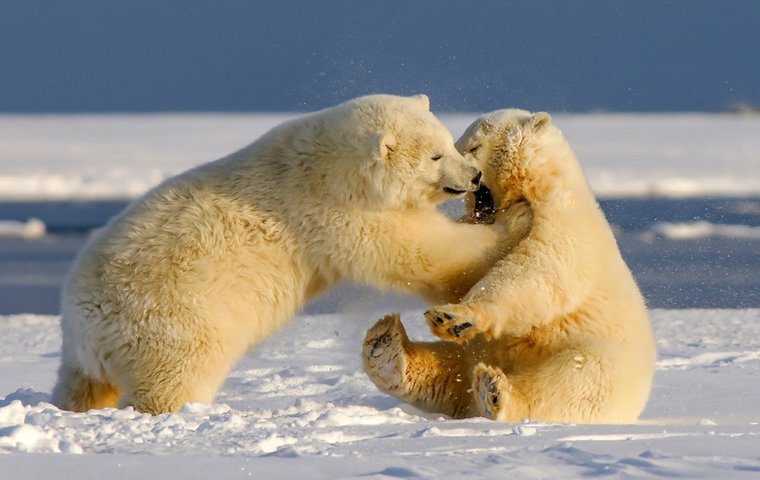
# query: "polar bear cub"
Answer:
x=166 y=298
x=557 y=331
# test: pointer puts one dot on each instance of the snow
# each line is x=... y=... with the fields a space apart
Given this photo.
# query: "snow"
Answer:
x=65 y=157
x=32 y=228
x=300 y=404
x=703 y=229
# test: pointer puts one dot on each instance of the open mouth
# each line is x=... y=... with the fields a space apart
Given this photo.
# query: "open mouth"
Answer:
x=452 y=191
x=485 y=207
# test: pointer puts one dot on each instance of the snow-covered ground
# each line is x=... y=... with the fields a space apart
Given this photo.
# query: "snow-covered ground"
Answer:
x=60 y=157
x=299 y=404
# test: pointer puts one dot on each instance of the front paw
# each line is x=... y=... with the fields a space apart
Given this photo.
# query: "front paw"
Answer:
x=455 y=323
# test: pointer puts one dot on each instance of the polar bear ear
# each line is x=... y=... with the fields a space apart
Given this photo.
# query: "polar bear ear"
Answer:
x=539 y=120
x=422 y=99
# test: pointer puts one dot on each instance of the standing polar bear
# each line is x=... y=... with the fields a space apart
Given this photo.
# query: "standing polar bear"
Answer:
x=163 y=301
x=557 y=331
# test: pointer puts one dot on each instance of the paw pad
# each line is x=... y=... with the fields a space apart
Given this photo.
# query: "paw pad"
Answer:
x=490 y=388
x=449 y=323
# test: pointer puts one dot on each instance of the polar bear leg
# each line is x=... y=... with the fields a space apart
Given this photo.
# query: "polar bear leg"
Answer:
x=431 y=376
x=573 y=385
x=162 y=378
x=581 y=384
x=166 y=387
x=78 y=392
x=161 y=395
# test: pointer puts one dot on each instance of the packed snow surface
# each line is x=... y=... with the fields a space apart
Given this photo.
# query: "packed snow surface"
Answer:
x=65 y=157
x=300 y=404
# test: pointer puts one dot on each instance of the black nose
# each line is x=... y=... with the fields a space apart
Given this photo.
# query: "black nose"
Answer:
x=476 y=179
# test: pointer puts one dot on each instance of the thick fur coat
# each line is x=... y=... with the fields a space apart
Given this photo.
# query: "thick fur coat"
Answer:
x=557 y=331
x=166 y=298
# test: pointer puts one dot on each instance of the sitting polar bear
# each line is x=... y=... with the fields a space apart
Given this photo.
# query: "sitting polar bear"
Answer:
x=557 y=331
x=162 y=302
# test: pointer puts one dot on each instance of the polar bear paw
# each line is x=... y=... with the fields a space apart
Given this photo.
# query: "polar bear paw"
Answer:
x=455 y=323
x=385 y=355
x=490 y=388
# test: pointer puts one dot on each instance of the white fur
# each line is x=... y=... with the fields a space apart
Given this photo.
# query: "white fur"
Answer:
x=164 y=300
x=557 y=331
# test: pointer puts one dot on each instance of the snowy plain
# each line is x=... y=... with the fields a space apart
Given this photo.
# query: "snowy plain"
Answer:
x=64 y=157
x=299 y=404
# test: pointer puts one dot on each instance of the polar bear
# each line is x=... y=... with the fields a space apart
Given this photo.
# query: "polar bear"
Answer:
x=162 y=302
x=557 y=331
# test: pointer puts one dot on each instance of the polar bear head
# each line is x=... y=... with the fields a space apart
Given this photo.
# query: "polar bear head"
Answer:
x=407 y=157
x=522 y=154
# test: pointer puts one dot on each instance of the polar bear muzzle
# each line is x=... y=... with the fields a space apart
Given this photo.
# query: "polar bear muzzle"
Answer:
x=474 y=185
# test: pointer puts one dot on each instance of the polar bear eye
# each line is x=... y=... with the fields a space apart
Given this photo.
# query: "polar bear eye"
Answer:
x=474 y=149
x=435 y=158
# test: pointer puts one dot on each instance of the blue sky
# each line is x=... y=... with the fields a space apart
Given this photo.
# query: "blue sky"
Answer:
x=191 y=55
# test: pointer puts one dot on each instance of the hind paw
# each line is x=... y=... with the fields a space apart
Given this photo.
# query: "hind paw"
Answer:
x=384 y=354
x=491 y=390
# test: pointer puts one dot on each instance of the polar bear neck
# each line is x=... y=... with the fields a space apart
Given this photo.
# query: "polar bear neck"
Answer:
x=557 y=189
x=309 y=154
x=543 y=169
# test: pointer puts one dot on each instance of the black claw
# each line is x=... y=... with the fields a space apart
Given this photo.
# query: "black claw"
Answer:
x=457 y=329
x=495 y=401
x=383 y=341
x=448 y=316
x=438 y=319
